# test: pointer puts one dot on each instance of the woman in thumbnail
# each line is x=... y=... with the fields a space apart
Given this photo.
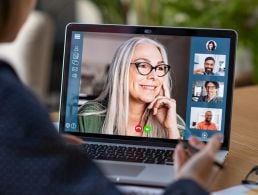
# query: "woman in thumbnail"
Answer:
x=211 y=45
x=136 y=99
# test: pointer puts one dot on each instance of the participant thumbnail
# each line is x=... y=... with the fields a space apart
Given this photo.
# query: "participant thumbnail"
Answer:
x=211 y=45
x=206 y=118
x=209 y=64
x=208 y=91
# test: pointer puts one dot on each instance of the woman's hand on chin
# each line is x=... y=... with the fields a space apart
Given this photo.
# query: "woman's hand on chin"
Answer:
x=164 y=109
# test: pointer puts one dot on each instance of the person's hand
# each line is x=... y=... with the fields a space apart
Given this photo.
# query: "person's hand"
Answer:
x=164 y=109
x=199 y=71
x=71 y=139
x=200 y=166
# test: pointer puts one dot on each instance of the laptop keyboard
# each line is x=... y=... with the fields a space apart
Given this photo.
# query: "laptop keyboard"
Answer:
x=128 y=154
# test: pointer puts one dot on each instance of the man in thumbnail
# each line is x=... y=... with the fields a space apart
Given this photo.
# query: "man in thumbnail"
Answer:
x=209 y=64
x=212 y=93
x=207 y=124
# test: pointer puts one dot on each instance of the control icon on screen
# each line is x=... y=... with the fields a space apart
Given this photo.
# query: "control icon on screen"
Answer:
x=138 y=128
x=75 y=55
x=147 y=128
x=73 y=125
x=204 y=135
x=67 y=125
x=77 y=36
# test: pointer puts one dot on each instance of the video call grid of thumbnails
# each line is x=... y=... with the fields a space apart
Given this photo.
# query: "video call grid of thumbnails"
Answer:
x=207 y=100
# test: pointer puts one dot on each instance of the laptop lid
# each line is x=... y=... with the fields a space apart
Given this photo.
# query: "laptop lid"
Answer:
x=201 y=63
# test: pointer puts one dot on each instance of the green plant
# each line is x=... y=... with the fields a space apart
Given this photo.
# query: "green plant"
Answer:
x=240 y=15
x=113 y=11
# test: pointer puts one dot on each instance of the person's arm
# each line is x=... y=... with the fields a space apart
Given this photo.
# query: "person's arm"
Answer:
x=199 y=167
x=194 y=173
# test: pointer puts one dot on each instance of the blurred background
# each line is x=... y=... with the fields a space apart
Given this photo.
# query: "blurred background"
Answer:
x=38 y=51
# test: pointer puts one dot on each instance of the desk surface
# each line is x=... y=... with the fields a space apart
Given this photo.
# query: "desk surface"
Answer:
x=243 y=151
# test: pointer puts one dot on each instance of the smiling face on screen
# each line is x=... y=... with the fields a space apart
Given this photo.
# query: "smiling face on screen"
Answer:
x=144 y=88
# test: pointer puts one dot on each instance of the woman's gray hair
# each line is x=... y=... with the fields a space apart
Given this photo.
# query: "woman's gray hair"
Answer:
x=116 y=89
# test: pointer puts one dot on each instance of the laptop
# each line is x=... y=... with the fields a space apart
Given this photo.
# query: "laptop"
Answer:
x=200 y=63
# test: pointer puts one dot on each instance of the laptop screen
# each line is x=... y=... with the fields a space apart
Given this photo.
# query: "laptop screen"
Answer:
x=147 y=83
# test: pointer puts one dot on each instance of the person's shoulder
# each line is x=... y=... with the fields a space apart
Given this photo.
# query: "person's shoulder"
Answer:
x=91 y=116
x=180 y=123
x=200 y=125
x=201 y=122
x=93 y=106
x=202 y=99
x=217 y=100
x=11 y=83
x=214 y=125
x=210 y=74
x=220 y=99
x=5 y=65
x=7 y=71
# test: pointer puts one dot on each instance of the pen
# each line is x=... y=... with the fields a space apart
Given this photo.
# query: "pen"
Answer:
x=194 y=150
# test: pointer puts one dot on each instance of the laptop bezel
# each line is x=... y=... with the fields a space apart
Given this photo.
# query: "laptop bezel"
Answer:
x=173 y=31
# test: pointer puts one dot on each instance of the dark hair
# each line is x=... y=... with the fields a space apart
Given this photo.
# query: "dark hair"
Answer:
x=5 y=11
x=214 y=82
x=211 y=42
x=209 y=58
x=213 y=45
x=208 y=111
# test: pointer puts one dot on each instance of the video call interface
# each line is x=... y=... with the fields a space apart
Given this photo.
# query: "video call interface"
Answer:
x=198 y=70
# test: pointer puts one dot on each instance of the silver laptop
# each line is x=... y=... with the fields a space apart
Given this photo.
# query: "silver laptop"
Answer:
x=131 y=92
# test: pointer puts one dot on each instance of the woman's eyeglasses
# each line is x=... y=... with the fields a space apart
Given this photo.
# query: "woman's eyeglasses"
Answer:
x=145 y=68
x=252 y=176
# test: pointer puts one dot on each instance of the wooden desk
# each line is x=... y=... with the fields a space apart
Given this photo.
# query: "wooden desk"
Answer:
x=243 y=152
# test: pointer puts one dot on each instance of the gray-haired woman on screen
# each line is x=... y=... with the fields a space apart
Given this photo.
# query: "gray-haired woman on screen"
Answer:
x=136 y=100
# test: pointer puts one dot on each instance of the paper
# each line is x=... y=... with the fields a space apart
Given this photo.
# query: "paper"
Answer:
x=140 y=190
x=239 y=189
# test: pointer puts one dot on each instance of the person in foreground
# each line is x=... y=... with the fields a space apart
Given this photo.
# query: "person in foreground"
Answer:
x=35 y=159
